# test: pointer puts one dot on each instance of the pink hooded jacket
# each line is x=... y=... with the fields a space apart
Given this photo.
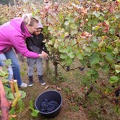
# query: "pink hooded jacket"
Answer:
x=13 y=35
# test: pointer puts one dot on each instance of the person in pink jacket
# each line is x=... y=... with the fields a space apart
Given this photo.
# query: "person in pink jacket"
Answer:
x=12 y=40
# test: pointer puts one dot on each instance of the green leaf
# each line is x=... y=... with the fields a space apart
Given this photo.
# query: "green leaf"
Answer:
x=117 y=109
x=87 y=53
x=11 y=97
x=31 y=104
x=63 y=56
x=102 y=44
x=96 y=66
x=50 y=28
x=66 y=41
x=109 y=56
x=12 y=110
x=62 y=44
x=3 y=74
x=71 y=19
x=45 y=30
x=69 y=61
x=21 y=104
x=117 y=44
x=93 y=73
x=67 y=50
x=105 y=68
x=94 y=58
x=73 y=32
x=62 y=50
x=8 y=62
x=112 y=30
x=84 y=62
x=73 y=26
x=34 y=113
x=73 y=42
x=109 y=49
x=23 y=94
x=7 y=88
x=79 y=56
x=101 y=17
x=94 y=45
x=87 y=49
x=113 y=79
x=71 y=55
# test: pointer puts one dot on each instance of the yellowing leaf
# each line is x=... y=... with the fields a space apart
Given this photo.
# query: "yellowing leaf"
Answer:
x=96 y=27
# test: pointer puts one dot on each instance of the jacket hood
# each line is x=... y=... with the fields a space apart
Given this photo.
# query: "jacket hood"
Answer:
x=19 y=25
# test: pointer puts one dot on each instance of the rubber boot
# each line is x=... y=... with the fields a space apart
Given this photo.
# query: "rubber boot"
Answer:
x=42 y=82
x=30 y=81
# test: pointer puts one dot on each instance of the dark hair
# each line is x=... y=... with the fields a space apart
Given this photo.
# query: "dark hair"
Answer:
x=41 y=29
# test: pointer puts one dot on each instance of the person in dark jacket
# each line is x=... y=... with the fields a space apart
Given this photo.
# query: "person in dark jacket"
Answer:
x=36 y=44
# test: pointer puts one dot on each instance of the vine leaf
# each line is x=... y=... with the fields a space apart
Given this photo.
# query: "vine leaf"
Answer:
x=109 y=56
x=79 y=55
x=94 y=58
x=113 y=79
x=71 y=55
x=63 y=56
x=34 y=113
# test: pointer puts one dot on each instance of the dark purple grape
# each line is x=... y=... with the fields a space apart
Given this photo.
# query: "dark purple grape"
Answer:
x=117 y=92
x=43 y=110
x=48 y=106
x=46 y=100
x=116 y=101
x=82 y=68
x=68 y=68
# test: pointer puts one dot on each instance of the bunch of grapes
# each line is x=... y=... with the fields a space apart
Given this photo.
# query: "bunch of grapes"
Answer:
x=48 y=106
x=117 y=92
